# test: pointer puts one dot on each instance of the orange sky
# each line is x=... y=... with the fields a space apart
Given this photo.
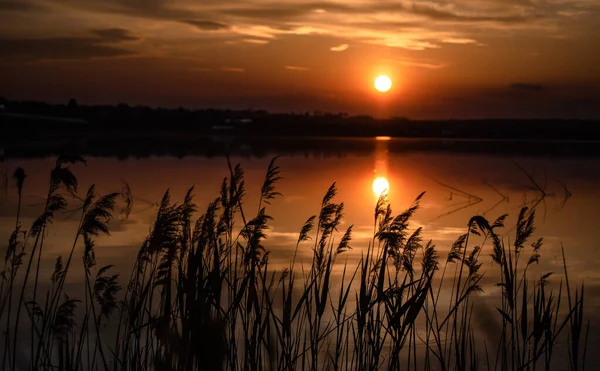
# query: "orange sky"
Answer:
x=448 y=59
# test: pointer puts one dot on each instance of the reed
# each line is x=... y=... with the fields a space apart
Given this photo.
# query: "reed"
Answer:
x=202 y=293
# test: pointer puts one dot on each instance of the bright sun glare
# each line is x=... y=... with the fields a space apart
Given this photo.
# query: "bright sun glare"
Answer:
x=383 y=83
x=381 y=186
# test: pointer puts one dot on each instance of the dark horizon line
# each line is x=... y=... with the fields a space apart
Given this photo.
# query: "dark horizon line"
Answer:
x=260 y=111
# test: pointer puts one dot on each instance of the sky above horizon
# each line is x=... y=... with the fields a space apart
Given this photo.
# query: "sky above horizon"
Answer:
x=447 y=59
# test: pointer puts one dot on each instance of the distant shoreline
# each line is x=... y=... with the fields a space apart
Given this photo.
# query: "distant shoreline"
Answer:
x=33 y=129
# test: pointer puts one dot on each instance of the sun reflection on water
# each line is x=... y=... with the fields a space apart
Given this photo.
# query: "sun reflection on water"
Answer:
x=381 y=186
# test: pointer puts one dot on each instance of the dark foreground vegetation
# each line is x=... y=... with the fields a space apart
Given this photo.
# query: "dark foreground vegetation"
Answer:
x=202 y=294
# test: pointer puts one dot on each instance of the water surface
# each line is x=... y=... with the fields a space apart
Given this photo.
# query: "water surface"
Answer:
x=563 y=191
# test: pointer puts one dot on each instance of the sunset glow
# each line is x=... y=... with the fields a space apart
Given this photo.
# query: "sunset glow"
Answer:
x=381 y=186
x=432 y=60
x=202 y=157
x=383 y=83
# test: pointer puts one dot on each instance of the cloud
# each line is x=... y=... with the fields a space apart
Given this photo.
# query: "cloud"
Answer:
x=443 y=14
x=296 y=68
x=339 y=48
x=420 y=26
x=572 y=13
x=115 y=34
x=154 y=9
x=17 y=5
x=527 y=87
x=459 y=41
x=201 y=69
x=385 y=23
x=207 y=25
x=263 y=32
x=294 y=11
x=431 y=66
x=406 y=43
x=232 y=69
x=55 y=48
x=177 y=29
x=267 y=12
x=256 y=41
x=59 y=48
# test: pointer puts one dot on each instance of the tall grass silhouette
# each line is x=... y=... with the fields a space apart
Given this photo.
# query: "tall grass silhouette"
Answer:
x=203 y=296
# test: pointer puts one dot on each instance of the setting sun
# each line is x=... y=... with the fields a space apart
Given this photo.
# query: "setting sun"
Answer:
x=383 y=83
x=381 y=186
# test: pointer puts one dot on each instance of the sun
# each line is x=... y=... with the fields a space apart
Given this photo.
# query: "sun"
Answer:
x=383 y=83
x=381 y=186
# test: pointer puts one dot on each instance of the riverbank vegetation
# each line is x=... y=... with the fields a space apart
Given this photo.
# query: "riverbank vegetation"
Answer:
x=203 y=295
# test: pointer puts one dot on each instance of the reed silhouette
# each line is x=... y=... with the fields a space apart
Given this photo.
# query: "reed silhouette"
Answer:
x=202 y=294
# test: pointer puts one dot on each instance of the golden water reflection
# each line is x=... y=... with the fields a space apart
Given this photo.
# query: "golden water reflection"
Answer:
x=381 y=186
x=480 y=185
x=458 y=187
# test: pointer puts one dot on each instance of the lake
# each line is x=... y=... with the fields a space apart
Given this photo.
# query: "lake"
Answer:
x=564 y=191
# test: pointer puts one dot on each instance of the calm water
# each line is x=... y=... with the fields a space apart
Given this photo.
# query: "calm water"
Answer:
x=458 y=186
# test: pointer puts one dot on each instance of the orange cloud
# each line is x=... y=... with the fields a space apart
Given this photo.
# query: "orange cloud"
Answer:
x=339 y=48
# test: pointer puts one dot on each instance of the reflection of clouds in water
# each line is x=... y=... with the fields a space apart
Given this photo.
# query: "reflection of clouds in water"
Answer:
x=8 y=209
x=450 y=231
x=294 y=198
x=574 y=224
x=287 y=237
x=116 y=225
x=111 y=252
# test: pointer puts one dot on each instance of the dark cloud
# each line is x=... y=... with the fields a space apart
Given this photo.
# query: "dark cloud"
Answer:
x=207 y=25
x=444 y=15
x=143 y=6
x=389 y=25
x=21 y=5
x=68 y=47
x=8 y=210
x=117 y=225
x=163 y=10
x=271 y=13
x=58 y=48
x=115 y=34
x=153 y=9
x=290 y=11
x=429 y=11
x=527 y=87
